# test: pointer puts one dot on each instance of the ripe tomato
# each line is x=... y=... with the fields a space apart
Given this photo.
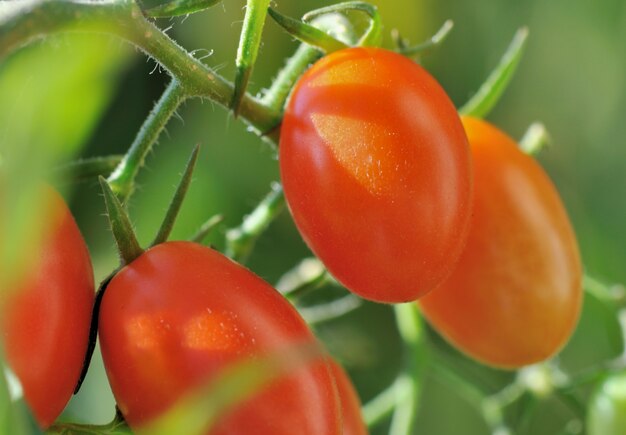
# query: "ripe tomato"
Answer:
x=179 y=313
x=376 y=172
x=606 y=414
x=515 y=295
x=353 y=423
x=45 y=322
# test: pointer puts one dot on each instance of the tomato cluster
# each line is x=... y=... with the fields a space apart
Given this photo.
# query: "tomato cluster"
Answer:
x=169 y=322
x=377 y=174
x=398 y=197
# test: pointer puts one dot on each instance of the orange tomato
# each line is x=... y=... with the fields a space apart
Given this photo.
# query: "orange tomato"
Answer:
x=514 y=297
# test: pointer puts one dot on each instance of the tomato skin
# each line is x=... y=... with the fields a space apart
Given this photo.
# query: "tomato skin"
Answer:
x=353 y=423
x=45 y=322
x=515 y=296
x=377 y=173
x=179 y=313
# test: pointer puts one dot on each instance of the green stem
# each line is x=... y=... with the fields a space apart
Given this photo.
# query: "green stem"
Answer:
x=535 y=139
x=122 y=178
x=277 y=94
x=172 y=211
x=409 y=386
x=249 y=43
x=381 y=406
x=116 y=427
x=123 y=233
x=86 y=169
x=307 y=275
x=240 y=241
x=124 y=19
x=614 y=295
x=206 y=228
x=336 y=25
x=317 y=314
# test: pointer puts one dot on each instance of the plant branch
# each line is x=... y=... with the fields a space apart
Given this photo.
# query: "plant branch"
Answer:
x=409 y=384
x=249 y=43
x=124 y=19
x=241 y=240
x=122 y=178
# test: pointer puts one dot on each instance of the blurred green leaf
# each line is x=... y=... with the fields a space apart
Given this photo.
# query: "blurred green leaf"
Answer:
x=598 y=336
x=11 y=421
x=86 y=169
x=607 y=407
x=52 y=95
x=200 y=410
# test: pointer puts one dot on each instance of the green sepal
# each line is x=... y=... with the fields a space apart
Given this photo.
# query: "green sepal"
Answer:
x=86 y=169
x=491 y=90
x=177 y=200
x=307 y=33
x=206 y=228
x=416 y=51
x=123 y=233
x=373 y=34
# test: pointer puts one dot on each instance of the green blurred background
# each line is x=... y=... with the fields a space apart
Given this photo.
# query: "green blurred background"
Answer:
x=88 y=95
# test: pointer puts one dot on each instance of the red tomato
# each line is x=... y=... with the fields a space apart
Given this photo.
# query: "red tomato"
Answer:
x=45 y=323
x=353 y=423
x=515 y=295
x=376 y=172
x=179 y=313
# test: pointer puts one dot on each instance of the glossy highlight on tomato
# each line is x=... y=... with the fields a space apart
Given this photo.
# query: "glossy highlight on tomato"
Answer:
x=181 y=312
x=514 y=298
x=45 y=322
x=377 y=174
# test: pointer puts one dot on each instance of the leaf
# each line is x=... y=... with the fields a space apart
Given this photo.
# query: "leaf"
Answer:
x=491 y=90
x=11 y=418
x=196 y=413
x=52 y=95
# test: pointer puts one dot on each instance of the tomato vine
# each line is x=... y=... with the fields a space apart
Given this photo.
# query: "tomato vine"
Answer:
x=322 y=32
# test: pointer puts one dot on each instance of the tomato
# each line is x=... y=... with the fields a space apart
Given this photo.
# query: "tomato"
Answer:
x=606 y=414
x=353 y=423
x=515 y=295
x=45 y=322
x=181 y=312
x=377 y=173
